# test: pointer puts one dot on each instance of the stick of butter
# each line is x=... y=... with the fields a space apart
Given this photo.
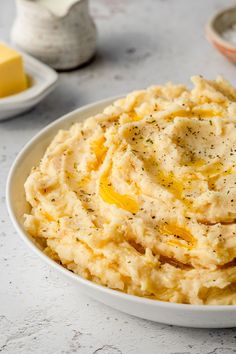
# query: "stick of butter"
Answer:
x=12 y=76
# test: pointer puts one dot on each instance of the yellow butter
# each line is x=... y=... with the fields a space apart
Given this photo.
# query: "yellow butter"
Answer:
x=12 y=75
x=109 y=195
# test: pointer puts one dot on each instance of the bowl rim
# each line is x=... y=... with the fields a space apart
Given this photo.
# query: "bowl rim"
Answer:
x=74 y=277
x=214 y=35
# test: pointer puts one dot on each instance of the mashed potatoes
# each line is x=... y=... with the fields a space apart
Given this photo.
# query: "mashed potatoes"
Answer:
x=142 y=197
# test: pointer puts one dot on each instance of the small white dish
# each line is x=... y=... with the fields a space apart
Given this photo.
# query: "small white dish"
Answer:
x=43 y=80
x=203 y=316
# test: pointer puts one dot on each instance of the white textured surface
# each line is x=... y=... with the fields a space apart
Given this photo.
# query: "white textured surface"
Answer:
x=141 y=42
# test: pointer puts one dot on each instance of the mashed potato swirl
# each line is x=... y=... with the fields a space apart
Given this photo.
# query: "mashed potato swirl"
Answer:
x=142 y=197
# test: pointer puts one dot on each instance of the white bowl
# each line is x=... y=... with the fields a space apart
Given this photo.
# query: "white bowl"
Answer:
x=176 y=314
x=43 y=81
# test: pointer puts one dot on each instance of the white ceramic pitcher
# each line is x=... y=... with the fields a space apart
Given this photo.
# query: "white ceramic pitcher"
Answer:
x=59 y=32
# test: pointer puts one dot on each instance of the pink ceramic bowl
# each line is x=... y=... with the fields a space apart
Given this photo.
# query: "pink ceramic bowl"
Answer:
x=224 y=20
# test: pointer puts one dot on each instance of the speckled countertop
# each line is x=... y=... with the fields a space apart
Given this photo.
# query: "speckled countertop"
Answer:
x=140 y=43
